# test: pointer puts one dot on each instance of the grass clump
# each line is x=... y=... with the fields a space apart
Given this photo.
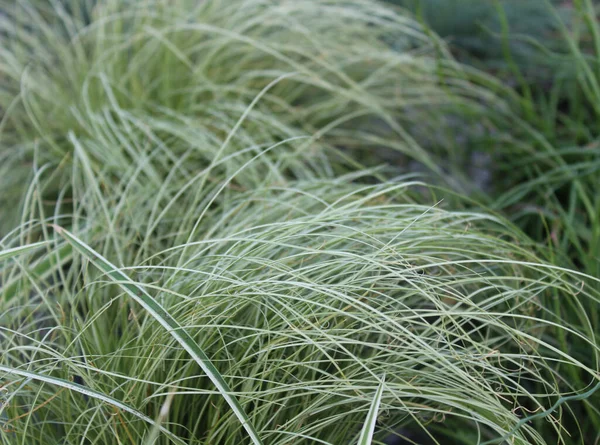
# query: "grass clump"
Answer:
x=559 y=177
x=180 y=75
x=193 y=253
x=303 y=297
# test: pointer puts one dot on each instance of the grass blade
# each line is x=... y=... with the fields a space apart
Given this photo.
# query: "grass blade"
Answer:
x=90 y=393
x=9 y=253
x=139 y=294
x=366 y=436
x=40 y=269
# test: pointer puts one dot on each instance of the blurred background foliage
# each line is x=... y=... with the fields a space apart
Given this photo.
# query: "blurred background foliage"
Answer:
x=477 y=30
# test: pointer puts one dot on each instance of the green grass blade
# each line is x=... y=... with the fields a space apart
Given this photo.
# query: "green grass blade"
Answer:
x=9 y=253
x=543 y=414
x=90 y=393
x=41 y=269
x=139 y=294
x=366 y=436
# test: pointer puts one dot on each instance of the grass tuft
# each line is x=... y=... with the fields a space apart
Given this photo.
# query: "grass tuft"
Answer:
x=199 y=244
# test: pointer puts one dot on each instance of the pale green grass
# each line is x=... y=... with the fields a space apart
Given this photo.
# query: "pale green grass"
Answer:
x=301 y=296
x=175 y=77
x=219 y=277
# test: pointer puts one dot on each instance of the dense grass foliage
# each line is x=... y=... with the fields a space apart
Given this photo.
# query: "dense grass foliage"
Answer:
x=554 y=191
x=303 y=296
x=183 y=74
x=546 y=157
x=194 y=250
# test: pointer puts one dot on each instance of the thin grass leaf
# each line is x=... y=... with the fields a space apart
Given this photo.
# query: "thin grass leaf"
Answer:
x=41 y=269
x=139 y=294
x=90 y=393
x=164 y=412
x=366 y=436
x=543 y=414
x=9 y=253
